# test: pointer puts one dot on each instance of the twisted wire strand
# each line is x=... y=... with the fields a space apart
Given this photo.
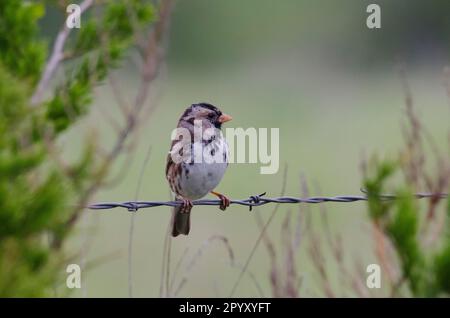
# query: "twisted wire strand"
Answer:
x=254 y=200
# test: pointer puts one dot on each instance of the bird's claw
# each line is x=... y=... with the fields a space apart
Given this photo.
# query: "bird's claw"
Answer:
x=186 y=205
x=225 y=202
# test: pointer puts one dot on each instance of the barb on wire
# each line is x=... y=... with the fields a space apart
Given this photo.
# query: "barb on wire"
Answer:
x=254 y=200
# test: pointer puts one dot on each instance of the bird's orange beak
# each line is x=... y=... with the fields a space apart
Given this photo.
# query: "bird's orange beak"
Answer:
x=224 y=118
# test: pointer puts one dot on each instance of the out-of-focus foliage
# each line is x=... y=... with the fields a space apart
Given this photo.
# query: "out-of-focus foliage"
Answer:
x=35 y=191
x=424 y=269
x=101 y=44
x=410 y=29
x=20 y=51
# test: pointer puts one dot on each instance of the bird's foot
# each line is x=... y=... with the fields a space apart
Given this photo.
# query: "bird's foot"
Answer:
x=225 y=202
x=186 y=205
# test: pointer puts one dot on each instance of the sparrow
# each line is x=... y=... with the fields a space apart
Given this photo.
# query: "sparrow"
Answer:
x=190 y=178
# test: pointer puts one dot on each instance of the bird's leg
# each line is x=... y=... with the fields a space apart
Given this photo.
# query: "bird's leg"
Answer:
x=186 y=206
x=225 y=201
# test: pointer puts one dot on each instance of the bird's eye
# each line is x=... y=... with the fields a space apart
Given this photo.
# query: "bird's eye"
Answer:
x=210 y=115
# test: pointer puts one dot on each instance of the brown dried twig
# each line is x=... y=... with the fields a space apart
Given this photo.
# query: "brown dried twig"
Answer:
x=56 y=57
x=152 y=62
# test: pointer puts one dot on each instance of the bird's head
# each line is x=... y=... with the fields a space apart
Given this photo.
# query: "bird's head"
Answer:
x=210 y=115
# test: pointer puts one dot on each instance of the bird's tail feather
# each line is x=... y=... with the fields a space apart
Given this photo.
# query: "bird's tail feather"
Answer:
x=181 y=222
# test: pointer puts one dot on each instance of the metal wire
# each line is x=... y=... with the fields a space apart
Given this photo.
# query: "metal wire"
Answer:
x=254 y=200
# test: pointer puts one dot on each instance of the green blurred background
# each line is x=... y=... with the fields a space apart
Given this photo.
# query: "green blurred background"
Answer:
x=311 y=69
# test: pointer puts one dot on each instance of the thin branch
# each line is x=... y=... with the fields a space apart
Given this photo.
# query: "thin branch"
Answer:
x=197 y=256
x=56 y=57
x=252 y=278
x=165 y=256
x=168 y=265
x=118 y=96
x=260 y=237
x=177 y=269
x=131 y=229
x=153 y=59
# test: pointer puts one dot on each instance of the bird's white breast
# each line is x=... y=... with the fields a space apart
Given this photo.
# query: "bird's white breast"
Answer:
x=200 y=178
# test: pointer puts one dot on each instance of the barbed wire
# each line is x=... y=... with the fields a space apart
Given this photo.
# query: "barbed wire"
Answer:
x=255 y=200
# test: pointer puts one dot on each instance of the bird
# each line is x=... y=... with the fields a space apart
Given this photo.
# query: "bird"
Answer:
x=190 y=178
